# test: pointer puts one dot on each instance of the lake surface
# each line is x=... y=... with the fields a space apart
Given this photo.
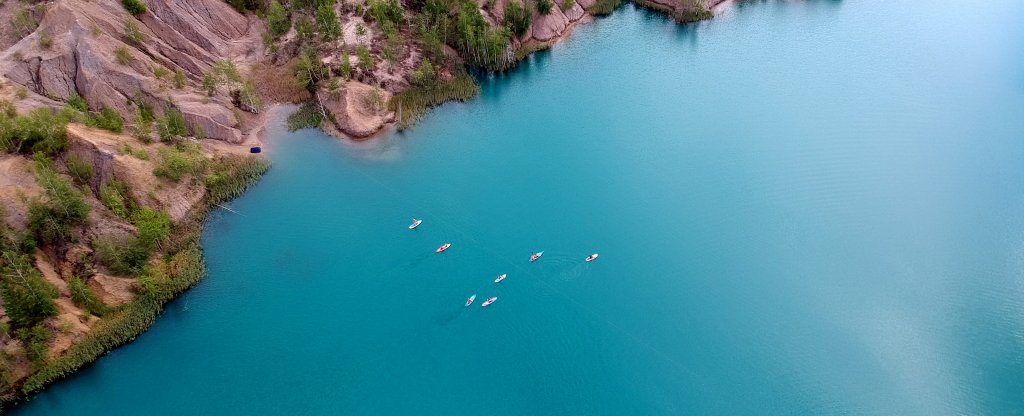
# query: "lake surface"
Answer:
x=801 y=208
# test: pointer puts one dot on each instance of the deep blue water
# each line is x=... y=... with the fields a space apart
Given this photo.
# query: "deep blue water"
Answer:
x=801 y=208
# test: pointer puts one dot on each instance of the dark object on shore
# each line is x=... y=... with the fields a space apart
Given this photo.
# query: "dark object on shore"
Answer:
x=255 y=149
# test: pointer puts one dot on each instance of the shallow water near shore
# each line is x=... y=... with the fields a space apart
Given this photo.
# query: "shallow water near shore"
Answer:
x=801 y=208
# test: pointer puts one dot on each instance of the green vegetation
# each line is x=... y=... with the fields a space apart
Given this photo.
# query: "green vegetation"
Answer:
x=114 y=195
x=36 y=340
x=40 y=131
x=122 y=56
x=604 y=7
x=309 y=70
x=411 y=104
x=308 y=115
x=694 y=10
x=160 y=72
x=28 y=298
x=365 y=60
x=126 y=254
x=153 y=227
x=517 y=17
x=544 y=6
x=45 y=41
x=181 y=268
x=23 y=21
x=481 y=44
x=386 y=11
x=83 y=297
x=121 y=254
x=132 y=32
x=171 y=125
x=198 y=132
x=424 y=74
x=247 y=5
x=79 y=170
x=327 y=21
x=180 y=160
x=78 y=103
x=106 y=119
x=278 y=22
x=179 y=79
x=135 y=7
x=51 y=221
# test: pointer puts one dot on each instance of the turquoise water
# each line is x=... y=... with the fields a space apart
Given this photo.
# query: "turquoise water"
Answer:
x=801 y=208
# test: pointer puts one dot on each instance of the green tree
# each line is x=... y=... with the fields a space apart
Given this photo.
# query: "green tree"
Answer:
x=28 y=298
x=517 y=17
x=277 y=19
x=83 y=297
x=153 y=227
x=51 y=221
x=327 y=21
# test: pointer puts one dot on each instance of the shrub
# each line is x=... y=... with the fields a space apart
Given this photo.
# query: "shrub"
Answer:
x=51 y=221
x=153 y=227
x=40 y=131
x=385 y=11
x=134 y=7
x=28 y=298
x=244 y=5
x=309 y=70
x=327 y=21
x=123 y=255
x=277 y=19
x=481 y=45
x=424 y=74
x=517 y=17
x=308 y=115
x=179 y=79
x=106 y=119
x=132 y=32
x=79 y=170
x=78 y=103
x=176 y=162
x=346 y=66
x=198 y=132
x=365 y=60
x=160 y=72
x=37 y=341
x=45 y=41
x=544 y=6
x=171 y=125
x=114 y=195
x=23 y=22
x=83 y=297
x=122 y=56
x=304 y=29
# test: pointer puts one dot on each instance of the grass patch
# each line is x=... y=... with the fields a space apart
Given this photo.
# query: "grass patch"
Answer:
x=604 y=7
x=411 y=104
x=178 y=161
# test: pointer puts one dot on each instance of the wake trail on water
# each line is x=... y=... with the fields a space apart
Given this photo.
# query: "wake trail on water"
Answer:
x=575 y=270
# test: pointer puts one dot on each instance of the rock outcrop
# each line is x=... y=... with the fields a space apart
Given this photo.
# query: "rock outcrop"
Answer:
x=359 y=110
x=88 y=52
x=103 y=150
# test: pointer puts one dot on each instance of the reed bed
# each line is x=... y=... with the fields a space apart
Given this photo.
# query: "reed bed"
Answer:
x=411 y=104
